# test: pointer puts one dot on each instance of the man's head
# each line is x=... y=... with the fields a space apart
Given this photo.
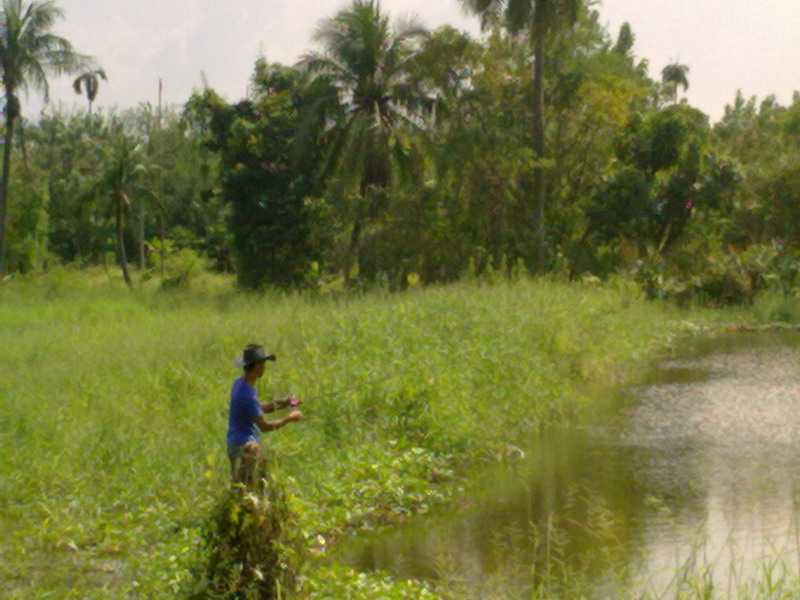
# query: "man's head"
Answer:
x=253 y=359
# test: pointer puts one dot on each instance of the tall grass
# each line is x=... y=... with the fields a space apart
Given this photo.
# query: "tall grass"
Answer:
x=112 y=408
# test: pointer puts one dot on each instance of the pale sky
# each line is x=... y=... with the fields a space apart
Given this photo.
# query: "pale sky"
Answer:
x=727 y=44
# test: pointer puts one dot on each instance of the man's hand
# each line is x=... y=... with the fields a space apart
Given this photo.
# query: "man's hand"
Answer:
x=265 y=425
x=281 y=403
x=292 y=401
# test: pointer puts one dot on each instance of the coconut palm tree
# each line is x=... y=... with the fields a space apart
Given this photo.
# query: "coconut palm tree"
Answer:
x=672 y=76
x=540 y=18
x=89 y=81
x=29 y=52
x=122 y=167
x=365 y=73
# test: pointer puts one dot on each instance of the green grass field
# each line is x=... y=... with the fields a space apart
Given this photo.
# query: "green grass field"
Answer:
x=113 y=411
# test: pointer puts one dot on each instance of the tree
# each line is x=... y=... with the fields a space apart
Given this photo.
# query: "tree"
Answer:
x=29 y=51
x=763 y=138
x=268 y=192
x=66 y=150
x=664 y=173
x=625 y=40
x=89 y=81
x=594 y=90
x=122 y=168
x=28 y=220
x=541 y=18
x=368 y=68
x=672 y=76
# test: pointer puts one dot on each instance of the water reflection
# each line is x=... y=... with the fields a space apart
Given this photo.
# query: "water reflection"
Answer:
x=693 y=475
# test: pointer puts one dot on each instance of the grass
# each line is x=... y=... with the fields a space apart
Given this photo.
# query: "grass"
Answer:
x=112 y=411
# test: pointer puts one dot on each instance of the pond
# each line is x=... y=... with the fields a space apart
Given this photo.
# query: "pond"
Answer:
x=689 y=480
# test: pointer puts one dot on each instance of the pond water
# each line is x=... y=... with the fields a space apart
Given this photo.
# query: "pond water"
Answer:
x=691 y=477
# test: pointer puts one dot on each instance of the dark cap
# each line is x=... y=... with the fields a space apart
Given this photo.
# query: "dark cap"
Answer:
x=253 y=354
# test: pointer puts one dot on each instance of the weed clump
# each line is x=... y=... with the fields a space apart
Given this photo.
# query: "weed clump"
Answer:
x=252 y=546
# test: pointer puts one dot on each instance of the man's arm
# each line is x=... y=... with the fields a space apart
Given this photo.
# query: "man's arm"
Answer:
x=274 y=405
x=265 y=425
x=271 y=406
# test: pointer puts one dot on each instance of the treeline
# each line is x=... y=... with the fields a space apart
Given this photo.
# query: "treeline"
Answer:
x=395 y=155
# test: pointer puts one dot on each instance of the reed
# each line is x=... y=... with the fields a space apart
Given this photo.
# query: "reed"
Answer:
x=112 y=408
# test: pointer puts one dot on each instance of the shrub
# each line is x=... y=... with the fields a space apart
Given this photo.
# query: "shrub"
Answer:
x=252 y=544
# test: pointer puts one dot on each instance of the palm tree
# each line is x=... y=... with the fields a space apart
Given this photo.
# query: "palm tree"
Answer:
x=123 y=166
x=89 y=81
x=365 y=72
x=541 y=18
x=672 y=76
x=28 y=53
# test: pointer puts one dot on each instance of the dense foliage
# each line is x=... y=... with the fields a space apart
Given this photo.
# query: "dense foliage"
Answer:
x=369 y=162
x=392 y=157
x=114 y=467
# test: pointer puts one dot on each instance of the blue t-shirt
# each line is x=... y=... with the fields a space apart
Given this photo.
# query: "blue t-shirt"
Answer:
x=244 y=409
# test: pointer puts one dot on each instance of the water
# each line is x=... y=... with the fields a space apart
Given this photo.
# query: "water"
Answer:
x=693 y=476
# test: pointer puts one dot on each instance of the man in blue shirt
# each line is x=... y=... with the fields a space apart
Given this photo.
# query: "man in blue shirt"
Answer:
x=246 y=415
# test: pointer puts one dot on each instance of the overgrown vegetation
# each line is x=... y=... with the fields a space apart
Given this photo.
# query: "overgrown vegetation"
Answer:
x=368 y=166
x=252 y=545
x=112 y=427
x=367 y=163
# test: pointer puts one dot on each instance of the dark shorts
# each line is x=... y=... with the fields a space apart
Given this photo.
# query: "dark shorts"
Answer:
x=234 y=452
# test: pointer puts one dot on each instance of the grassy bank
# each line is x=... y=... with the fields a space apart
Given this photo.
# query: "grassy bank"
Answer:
x=112 y=410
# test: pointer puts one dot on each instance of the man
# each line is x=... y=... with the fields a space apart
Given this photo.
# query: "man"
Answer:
x=246 y=415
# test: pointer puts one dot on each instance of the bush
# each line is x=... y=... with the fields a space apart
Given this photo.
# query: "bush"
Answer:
x=182 y=264
x=778 y=306
x=252 y=545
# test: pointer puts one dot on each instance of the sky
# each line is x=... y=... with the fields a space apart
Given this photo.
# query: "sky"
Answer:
x=729 y=45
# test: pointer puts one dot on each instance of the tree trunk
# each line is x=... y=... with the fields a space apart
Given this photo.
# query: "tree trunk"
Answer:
x=142 y=212
x=123 y=261
x=163 y=237
x=352 y=252
x=4 y=184
x=538 y=146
